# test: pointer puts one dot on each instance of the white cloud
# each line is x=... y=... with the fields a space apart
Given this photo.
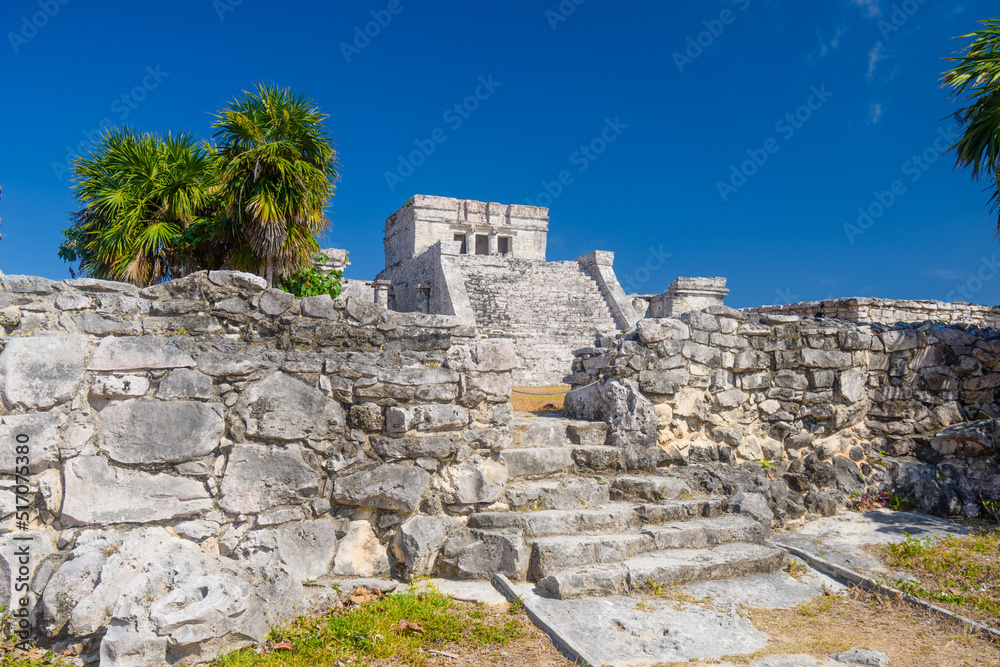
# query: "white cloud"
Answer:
x=828 y=47
x=874 y=113
x=871 y=8
x=874 y=56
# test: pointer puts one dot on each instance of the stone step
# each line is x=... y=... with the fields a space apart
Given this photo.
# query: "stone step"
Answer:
x=537 y=461
x=671 y=567
x=557 y=494
x=552 y=431
x=550 y=554
x=598 y=457
x=648 y=487
x=706 y=532
x=684 y=509
x=612 y=518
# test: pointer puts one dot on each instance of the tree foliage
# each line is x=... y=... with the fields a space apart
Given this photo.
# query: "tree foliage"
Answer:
x=159 y=207
x=976 y=76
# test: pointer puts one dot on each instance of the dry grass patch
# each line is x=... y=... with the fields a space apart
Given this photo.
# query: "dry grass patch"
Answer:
x=910 y=636
x=961 y=574
x=538 y=399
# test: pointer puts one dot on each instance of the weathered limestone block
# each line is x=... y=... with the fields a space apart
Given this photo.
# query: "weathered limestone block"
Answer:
x=656 y=330
x=474 y=480
x=585 y=402
x=663 y=382
x=275 y=302
x=412 y=447
x=976 y=438
x=753 y=505
x=97 y=493
x=483 y=356
x=108 y=386
x=42 y=432
x=367 y=417
x=434 y=417
x=389 y=487
x=825 y=359
x=186 y=601
x=138 y=353
x=307 y=548
x=40 y=372
x=852 y=385
x=18 y=284
x=50 y=486
x=76 y=579
x=360 y=554
x=221 y=364
x=282 y=408
x=259 y=477
x=480 y=554
x=416 y=545
x=185 y=383
x=141 y=431
x=633 y=421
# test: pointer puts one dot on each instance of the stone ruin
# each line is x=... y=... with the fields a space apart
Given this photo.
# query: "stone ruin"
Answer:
x=206 y=457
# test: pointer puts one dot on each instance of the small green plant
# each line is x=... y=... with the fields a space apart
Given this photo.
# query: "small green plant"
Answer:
x=313 y=282
x=642 y=606
x=657 y=587
x=182 y=331
x=517 y=606
x=766 y=463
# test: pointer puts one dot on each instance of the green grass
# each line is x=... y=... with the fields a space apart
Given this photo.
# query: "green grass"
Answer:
x=371 y=631
x=958 y=571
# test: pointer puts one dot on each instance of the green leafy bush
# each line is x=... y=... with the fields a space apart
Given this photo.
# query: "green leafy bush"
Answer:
x=313 y=282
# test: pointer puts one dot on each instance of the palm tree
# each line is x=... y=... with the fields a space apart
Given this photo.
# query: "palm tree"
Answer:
x=277 y=168
x=143 y=199
x=977 y=75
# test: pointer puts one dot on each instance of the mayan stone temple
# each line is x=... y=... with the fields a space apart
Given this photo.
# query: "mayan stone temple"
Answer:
x=208 y=457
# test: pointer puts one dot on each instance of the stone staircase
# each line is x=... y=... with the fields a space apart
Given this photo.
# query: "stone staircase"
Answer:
x=547 y=308
x=580 y=526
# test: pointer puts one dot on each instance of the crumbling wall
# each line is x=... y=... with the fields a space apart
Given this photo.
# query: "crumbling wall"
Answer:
x=211 y=439
x=889 y=312
x=731 y=386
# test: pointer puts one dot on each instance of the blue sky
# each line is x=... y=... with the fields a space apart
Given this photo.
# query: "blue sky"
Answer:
x=794 y=147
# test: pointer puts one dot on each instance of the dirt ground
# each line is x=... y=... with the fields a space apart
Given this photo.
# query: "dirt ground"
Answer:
x=538 y=399
x=910 y=636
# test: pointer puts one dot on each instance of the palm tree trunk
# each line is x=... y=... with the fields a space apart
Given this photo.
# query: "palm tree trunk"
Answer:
x=269 y=271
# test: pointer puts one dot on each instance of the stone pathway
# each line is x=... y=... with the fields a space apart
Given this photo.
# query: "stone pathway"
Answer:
x=627 y=631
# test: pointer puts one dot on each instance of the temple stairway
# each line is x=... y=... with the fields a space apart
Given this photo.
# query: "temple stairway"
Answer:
x=548 y=309
x=578 y=525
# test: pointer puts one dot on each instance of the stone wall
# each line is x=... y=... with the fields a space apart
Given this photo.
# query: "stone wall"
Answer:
x=887 y=311
x=547 y=308
x=198 y=449
x=732 y=386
